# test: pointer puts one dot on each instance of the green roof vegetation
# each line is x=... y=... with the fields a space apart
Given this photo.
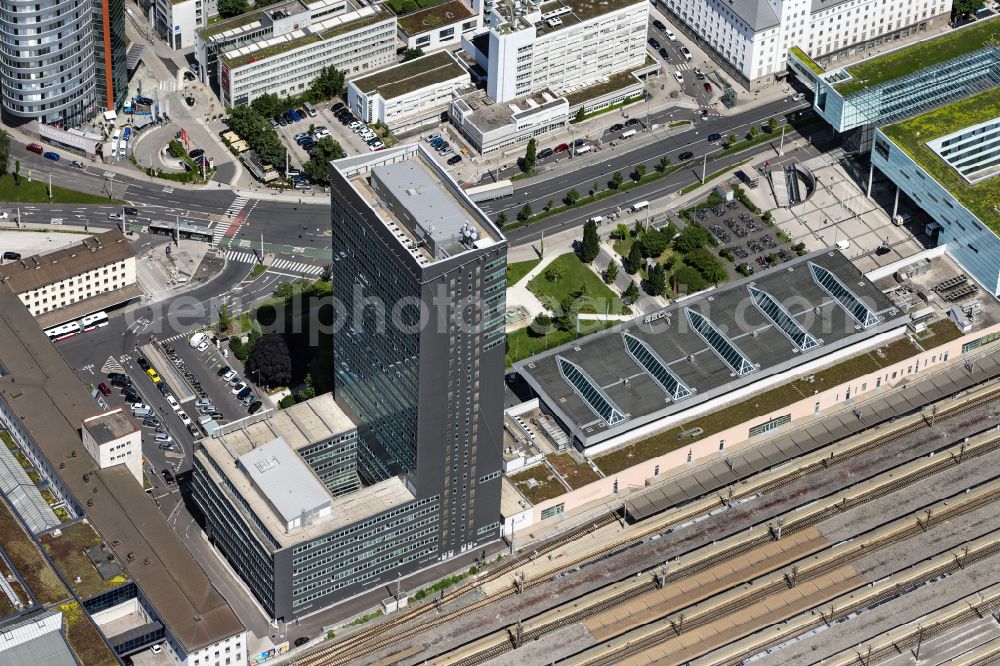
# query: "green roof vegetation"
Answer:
x=434 y=17
x=67 y=553
x=409 y=76
x=806 y=60
x=912 y=135
x=229 y=24
x=402 y=7
x=83 y=637
x=26 y=558
x=615 y=82
x=356 y=24
x=751 y=410
x=921 y=55
x=538 y=483
x=575 y=474
x=269 y=51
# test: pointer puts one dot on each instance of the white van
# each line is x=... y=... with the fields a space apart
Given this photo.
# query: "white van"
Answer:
x=597 y=219
x=197 y=339
x=628 y=134
x=584 y=149
x=639 y=205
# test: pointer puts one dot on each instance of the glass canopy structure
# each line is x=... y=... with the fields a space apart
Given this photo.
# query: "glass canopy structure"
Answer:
x=720 y=344
x=654 y=365
x=782 y=320
x=591 y=393
x=832 y=285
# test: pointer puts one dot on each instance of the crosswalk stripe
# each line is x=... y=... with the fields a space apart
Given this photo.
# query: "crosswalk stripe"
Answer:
x=242 y=257
x=296 y=267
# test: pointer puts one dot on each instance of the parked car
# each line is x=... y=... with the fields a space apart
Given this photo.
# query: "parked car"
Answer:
x=237 y=388
x=11 y=256
x=664 y=54
x=798 y=97
x=154 y=375
x=287 y=118
x=686 y=53
x=163 y=437
x=431 y=137
x=119 y=377
x=617 y=127
x=228 y=374
x=686 y=155
x=274 y=122
x=139 y=407
x=452 y=161
x=628 y=123
x=281 y=120
x=254 y=407
x=34 y=148
x=172 y=401
x=189 y=76
x=544 y=152
x=658 y=24
x=671 y=36
x=151 y=422
x=143 y=363
x=337 y=107
x=103 y=388
x=216 y=415
x=294 y=115
x=51 y=155
x=444 y=151
x=301 y=640
x=197 y=152
x=244 y=393
x=185 y=419
x=203 y=346
x=655 y=44
x=561 y=148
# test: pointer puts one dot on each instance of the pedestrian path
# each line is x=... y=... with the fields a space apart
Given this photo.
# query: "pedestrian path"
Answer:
x=236 y=206
x=239 y=210
x=296 y=267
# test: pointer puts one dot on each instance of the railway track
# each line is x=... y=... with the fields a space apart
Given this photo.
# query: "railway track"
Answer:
x=394 y=629
x=741 y=544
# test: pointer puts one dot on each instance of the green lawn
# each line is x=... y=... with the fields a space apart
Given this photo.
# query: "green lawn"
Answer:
x=37 y=192
x=522 y=345
x=912 y=136
x=517 y=270
x=574 y=277
x=904 y=61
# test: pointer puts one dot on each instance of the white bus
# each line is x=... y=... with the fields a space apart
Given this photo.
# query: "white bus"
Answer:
x=639 y=205
x=62 y=332
x=94 y=321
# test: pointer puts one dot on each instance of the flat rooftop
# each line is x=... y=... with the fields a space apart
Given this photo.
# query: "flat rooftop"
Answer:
x=285 y=481
x=423 y=208
x=606 y=86
x=317 y=32
x=562 y=14
x=913 y=135
x=920 y=55
x=434 y=17
x=488 y=115
x=300 y=425
x=53 y=266
x=707 y=346
x=46 y=396
x=110 y=426
x=410 y=76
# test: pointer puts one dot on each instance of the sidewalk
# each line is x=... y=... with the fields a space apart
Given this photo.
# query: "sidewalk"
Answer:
x=518 y=294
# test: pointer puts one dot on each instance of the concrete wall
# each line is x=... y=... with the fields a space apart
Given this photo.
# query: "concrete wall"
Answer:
x=118 y=612
x=635 y=477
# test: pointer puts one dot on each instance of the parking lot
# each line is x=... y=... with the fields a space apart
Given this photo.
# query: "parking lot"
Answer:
x=347 y=139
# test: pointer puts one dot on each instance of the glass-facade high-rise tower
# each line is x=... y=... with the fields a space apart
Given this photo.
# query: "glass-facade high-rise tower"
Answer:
x=421 y=274
x=110 y=59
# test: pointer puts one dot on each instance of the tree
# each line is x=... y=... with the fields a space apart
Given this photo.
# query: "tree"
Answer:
x=525 y=213
x=664 y=163
x=633 y=262
x=572 y=197
x=329 y=84
x=692 y=238
x=654 y=243
x=540 y=325
x=731 y=139
x=308 y=391
x=621 y=231
x=639 y=172
x=690 y=278
x=4 y=151
x=548 y=205
x=230 y=8
x=754 y=131
x=631 y=293
x=772 y=124
x=580 y=115
x=286 y=402
x=412 y=54
x=611 y=273
x=703 y=261
x=591 y=245
x=616 y=180
x=960 y=8
x=270 y=362
x=224 y=318
x=553 y=273
x=318 y=166
x=670 y=231
x=656 y=281
x=501 y=219
x=530 y=156
x=268 y=105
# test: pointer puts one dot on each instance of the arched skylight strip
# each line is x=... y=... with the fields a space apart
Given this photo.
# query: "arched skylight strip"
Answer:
x=783 y=321
x=832 y=285
x=720 y=344
x=590 y=392
x=657 y=369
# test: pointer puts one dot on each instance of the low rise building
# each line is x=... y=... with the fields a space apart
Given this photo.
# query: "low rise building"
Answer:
x=177 y=20
x=408 y=95
x=490 y=127
x=36 y=639
x=114 y=438
x=750 y=39
x=65 y=284
x=295 y=43
x=43 y=406
x=438 y=26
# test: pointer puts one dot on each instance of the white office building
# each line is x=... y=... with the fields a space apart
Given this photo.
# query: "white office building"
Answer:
x=177 y=20
x=114 y=438
x=560 y=45
x=294 y=46
x=750 y=39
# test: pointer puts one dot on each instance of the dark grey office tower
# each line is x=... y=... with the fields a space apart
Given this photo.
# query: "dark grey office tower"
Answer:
x=419 y=363
x=326 y=499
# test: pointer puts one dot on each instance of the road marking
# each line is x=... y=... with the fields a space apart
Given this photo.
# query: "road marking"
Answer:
x=168 y=190
x=57 y=220
x=88 y=368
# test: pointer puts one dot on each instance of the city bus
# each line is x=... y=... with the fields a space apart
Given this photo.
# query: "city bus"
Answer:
x=62 y=332
x=184 y=230
x=94 y=321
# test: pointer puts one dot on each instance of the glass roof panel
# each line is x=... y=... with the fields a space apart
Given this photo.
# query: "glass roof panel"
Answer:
x=720 y=344
x=591 y=393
